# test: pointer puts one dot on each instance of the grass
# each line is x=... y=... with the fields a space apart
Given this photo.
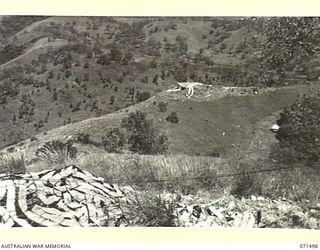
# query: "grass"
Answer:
x=12 y=163
x=204 y=176
x=57 y=152
x=164 y=181
x=150 y=210
x=182 y=174
x=179 y=174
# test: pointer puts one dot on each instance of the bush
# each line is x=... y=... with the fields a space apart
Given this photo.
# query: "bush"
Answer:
x=142 y=96
x=299 y=131
x=152 y=211
x=12 y=163
x=245 y=183
x=104 y=60
x=114 y=141
x=143 y=137
x=57 y=152
x=84 y=138
x=173 y=118
x=162 y=107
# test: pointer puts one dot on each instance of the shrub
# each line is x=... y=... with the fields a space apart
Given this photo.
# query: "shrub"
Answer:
x=244 y=182
x=162 y=106
x=299 y=131
x=115 y=54
x=57 y=152
x=111 y=100
x=113 y=141
x=152 y=211
x=104 y=60
x=143 y=137
x=34 y=138
x=142 y=96
x=84 y=138
x=173 y=118
x=12 y=163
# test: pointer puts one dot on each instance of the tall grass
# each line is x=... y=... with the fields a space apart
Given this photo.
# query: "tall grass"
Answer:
x=57 y=152
x=151 y=210
x=183 y=174
x=205 y=176
x=12 y=163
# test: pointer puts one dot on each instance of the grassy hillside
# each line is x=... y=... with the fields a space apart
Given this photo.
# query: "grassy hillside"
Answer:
x=217 y=121
x=59 y=70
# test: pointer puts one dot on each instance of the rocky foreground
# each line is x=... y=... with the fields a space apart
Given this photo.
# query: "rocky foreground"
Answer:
x=74 y=197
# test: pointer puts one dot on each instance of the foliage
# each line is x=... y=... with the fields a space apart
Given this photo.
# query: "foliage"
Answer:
x=142 y=96
x=113 y=141
x=13 y=24
x=299 y=132
x=12 y=163
x=115 y=54
x=290 y=41
x=26 y=108
x=143 y=137
x=162 y=106
x=152 y=211
x=57 y=152
x=9 y=52
x=104 y=59
x=173 y=118
x=7 y=88
x=84 y=138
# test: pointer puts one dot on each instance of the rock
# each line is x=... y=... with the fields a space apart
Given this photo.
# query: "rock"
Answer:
x=218 y=214
x=4 y=215
x=69 y=223
x=253 y=198
x=259 y=198
x=77 y=195
x=8 y=223
x=72 y=197
x=67 y=198
x=74 y=205
x=237 y=219
x=11 y=197
x=34 y=217
x=248 y=220
x=3 y=191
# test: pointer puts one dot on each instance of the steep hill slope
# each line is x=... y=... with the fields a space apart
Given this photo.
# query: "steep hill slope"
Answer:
x=216 y=120
x=58 y=70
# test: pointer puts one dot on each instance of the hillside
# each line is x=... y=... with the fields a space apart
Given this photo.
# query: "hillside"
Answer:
x=59 y=70
x=173 y=114
x=216 y=121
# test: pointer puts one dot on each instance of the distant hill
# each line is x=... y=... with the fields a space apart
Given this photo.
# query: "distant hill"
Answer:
x=60 y=70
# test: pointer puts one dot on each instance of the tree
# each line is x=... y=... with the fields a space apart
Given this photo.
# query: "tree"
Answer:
x=142 y=96
x=162 y=106
x=115 y=54
x=173 y=118
x=51 y=74
x=26 y=109
x=290 y=41
x=143 y=137
x=127 y=58
x=111 y=101
x=104 y=60
x=299 y=133
x=114 y=141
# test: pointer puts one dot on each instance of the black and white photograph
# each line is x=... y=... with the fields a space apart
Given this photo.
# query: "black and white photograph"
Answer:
x=160 y=121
